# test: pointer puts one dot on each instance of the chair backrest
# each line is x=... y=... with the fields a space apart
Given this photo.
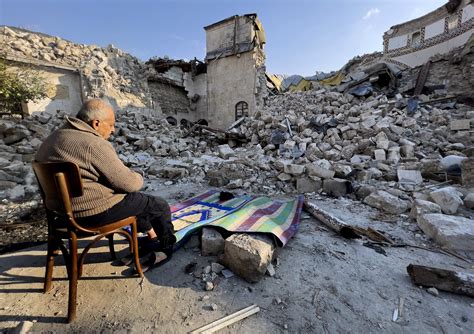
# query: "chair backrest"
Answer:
x=59 y=182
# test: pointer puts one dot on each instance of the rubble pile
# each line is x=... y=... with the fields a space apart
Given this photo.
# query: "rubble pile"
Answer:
x=105 y=71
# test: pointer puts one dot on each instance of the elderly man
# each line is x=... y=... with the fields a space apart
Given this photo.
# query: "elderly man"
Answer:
x=111 y=190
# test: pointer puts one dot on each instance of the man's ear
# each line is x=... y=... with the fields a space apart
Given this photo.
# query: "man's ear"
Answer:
x=95 y=124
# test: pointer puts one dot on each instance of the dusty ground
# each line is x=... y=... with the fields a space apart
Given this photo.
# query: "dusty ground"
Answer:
x=323 y=284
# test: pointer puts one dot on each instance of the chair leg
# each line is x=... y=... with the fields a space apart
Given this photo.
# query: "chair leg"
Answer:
x=48 y=277
x=135 y=249
x=111 y=246
x=71 y=314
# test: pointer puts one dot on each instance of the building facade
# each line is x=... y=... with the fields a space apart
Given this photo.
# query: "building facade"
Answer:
x=235 y=60
x=413 y=43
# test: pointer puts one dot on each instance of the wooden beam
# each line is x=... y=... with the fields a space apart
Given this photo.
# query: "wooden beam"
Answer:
x=228 y=320
x=460 y=282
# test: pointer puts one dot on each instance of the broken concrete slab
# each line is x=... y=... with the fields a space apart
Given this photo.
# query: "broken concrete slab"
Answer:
x=212 y=242
x=449 y=199
x=248 y=255
x=449 y=231
x=387 y=202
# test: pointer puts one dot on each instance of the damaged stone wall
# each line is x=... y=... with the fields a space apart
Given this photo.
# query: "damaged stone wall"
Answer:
x=171 y=98
x=452 y=73
x=106 y=72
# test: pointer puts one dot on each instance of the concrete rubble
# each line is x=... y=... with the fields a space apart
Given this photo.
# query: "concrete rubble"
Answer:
x=318 y=142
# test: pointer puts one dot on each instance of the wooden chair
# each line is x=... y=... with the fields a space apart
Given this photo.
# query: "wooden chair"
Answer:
x=59 y=182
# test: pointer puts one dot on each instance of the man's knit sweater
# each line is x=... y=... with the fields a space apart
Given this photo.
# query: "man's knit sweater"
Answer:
x=105 y=178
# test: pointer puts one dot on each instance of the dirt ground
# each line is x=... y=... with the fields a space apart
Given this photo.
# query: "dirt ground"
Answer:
x=323 y=284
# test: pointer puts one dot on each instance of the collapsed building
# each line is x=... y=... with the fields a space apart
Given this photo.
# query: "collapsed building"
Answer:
x=355 y=133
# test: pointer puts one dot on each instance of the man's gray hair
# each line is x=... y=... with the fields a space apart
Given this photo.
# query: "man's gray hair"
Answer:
x=93 y=109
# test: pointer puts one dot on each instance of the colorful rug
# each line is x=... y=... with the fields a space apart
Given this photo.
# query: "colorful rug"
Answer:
x=240 y=214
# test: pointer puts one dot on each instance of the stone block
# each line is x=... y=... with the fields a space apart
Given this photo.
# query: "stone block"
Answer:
x=337 y=187
x=248 y=256
x=212 y=242
x=380 y=155
x=387 y=202
x=316 y=170
x=294 y=169
x=225 y=152
x=307 y=185
x=449 y=199
x=421 y=207
x=449 y=231
x=460 y=124
x=406 y=176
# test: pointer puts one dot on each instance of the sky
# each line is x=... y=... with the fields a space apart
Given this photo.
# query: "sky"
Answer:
x=303 y=36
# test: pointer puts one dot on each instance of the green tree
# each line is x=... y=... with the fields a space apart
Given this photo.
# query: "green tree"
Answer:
x=18 y=85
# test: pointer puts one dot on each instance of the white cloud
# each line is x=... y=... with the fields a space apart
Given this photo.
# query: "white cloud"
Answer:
x=370 y=13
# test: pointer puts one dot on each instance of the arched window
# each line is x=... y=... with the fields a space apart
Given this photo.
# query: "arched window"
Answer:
x=241 y=110
x=416 y=39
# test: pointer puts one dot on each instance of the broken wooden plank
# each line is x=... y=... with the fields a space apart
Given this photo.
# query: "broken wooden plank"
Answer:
x=460 y=282
x=228 y=320
x=346 y=230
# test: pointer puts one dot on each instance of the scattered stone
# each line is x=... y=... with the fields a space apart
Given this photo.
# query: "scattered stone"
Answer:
x=214 y=307
x=307 y=185
x=212 y=242
x=449 y=199
x=469 y=201
x=217 y=267
x=433 y=291
x=225 y=152
x=409 y=176
x=387 y=202
x=227 y=273
x=421 y=207
x=248 y=255
x=270 y=270
x=209 y=286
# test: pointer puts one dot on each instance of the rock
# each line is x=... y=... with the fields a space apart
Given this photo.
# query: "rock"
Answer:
x=449 y=231
x=449 y=199
x=248 y=255
x=409 y=176
x=225 y=152
x=16 y=193
x=469 y=201
x=307 y=185
x=433 y=291
x=284 y=177
x=380 y=155
x=270 y=270
x=382 y=141
x=16 y=137
x=314 y=169
x=212 y=242
x=364 y=191
x=217 y=267
x=421 y=207
x=209 y=286
x=23 y=327
x=227 y=273
x=337 y=187
x=214 y=307
x=387 y=202
x=460 y=124
x=293 y=169
x=234 y=184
